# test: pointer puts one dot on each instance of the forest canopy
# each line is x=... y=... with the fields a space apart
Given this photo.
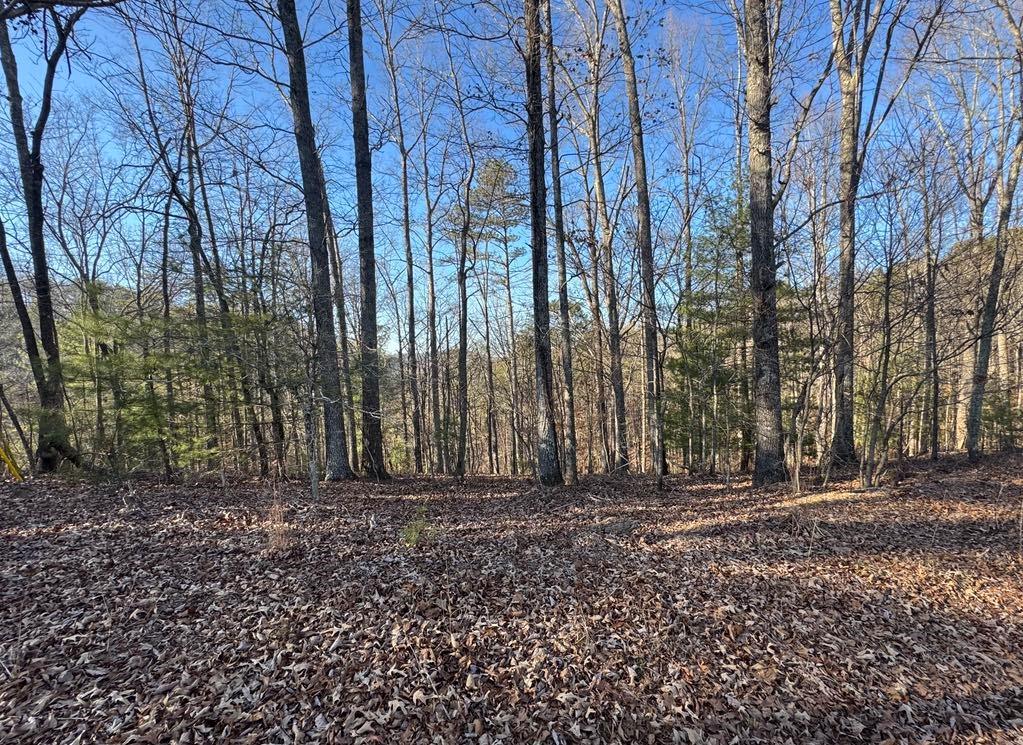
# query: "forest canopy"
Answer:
x=560 y=238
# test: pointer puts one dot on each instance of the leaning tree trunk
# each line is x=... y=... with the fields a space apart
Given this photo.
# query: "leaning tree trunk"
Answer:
x=313 y=189
x=974 y=417
x=644 y=242
x=372 y=428
x=548 y=467
x=52 y=444
x=769 y=460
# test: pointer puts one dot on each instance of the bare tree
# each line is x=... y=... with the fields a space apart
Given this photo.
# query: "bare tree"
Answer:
x=769 y=461
x=1010 y=160
x=11 y=9
x=372 y=428
x=52 y=443
x=855 y=26
x=464 y=228
x=548 y=466
x=571 y=466
x=644 y=242
x=314 y=193
x=387 y=18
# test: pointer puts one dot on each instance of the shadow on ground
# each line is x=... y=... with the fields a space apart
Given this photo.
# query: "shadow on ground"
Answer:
x=423 y=610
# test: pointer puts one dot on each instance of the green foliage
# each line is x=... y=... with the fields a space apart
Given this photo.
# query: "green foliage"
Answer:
x=418 y=530
x=705 y=407
x=1003 y=420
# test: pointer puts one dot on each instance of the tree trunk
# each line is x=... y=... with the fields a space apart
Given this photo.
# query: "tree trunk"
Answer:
x=769 y=460
x=439 y=461
x=413 y=361
x=644 y=241
x=548 y=466
x=570 y=455
x=315 y=196
x=513 y=364
x=843 y=446
x=342 y=330
x=463 y=337
x=372 y=429
x=52 y=444
x=614 y=340
x=974 y=418
x=931 y=342
x=493 y=456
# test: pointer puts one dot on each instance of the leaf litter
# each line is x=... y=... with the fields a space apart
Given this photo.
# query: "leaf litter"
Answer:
x=490 y=611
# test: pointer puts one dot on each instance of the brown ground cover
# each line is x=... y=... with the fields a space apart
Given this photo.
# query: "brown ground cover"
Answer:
x=490 y=611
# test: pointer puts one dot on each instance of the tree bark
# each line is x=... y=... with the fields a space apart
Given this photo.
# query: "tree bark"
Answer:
x=315 y=196
x=644 y=241
x=52 y=444
x=372 y=429
x=974 y=418
x=769 y=459
x=570 y=454
x=548 y=466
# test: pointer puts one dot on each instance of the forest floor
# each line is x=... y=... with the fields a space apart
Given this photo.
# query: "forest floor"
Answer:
x=490 y=611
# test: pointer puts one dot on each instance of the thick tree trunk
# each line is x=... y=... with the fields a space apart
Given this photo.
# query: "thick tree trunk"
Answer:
x=372 y=426
x=314 y=192
x=843 y=446
x=769 y=460
x=548 y=466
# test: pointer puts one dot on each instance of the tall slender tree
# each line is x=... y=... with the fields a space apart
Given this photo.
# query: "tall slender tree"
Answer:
x=387 y=18
x=565 y=318
x=372 y=426
x=548 y=466
x=857 y=26
x=1007 y=178
x=314 y=193
x=644 y=243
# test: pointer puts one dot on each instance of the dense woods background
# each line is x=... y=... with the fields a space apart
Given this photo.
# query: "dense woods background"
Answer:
x=244 y=238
